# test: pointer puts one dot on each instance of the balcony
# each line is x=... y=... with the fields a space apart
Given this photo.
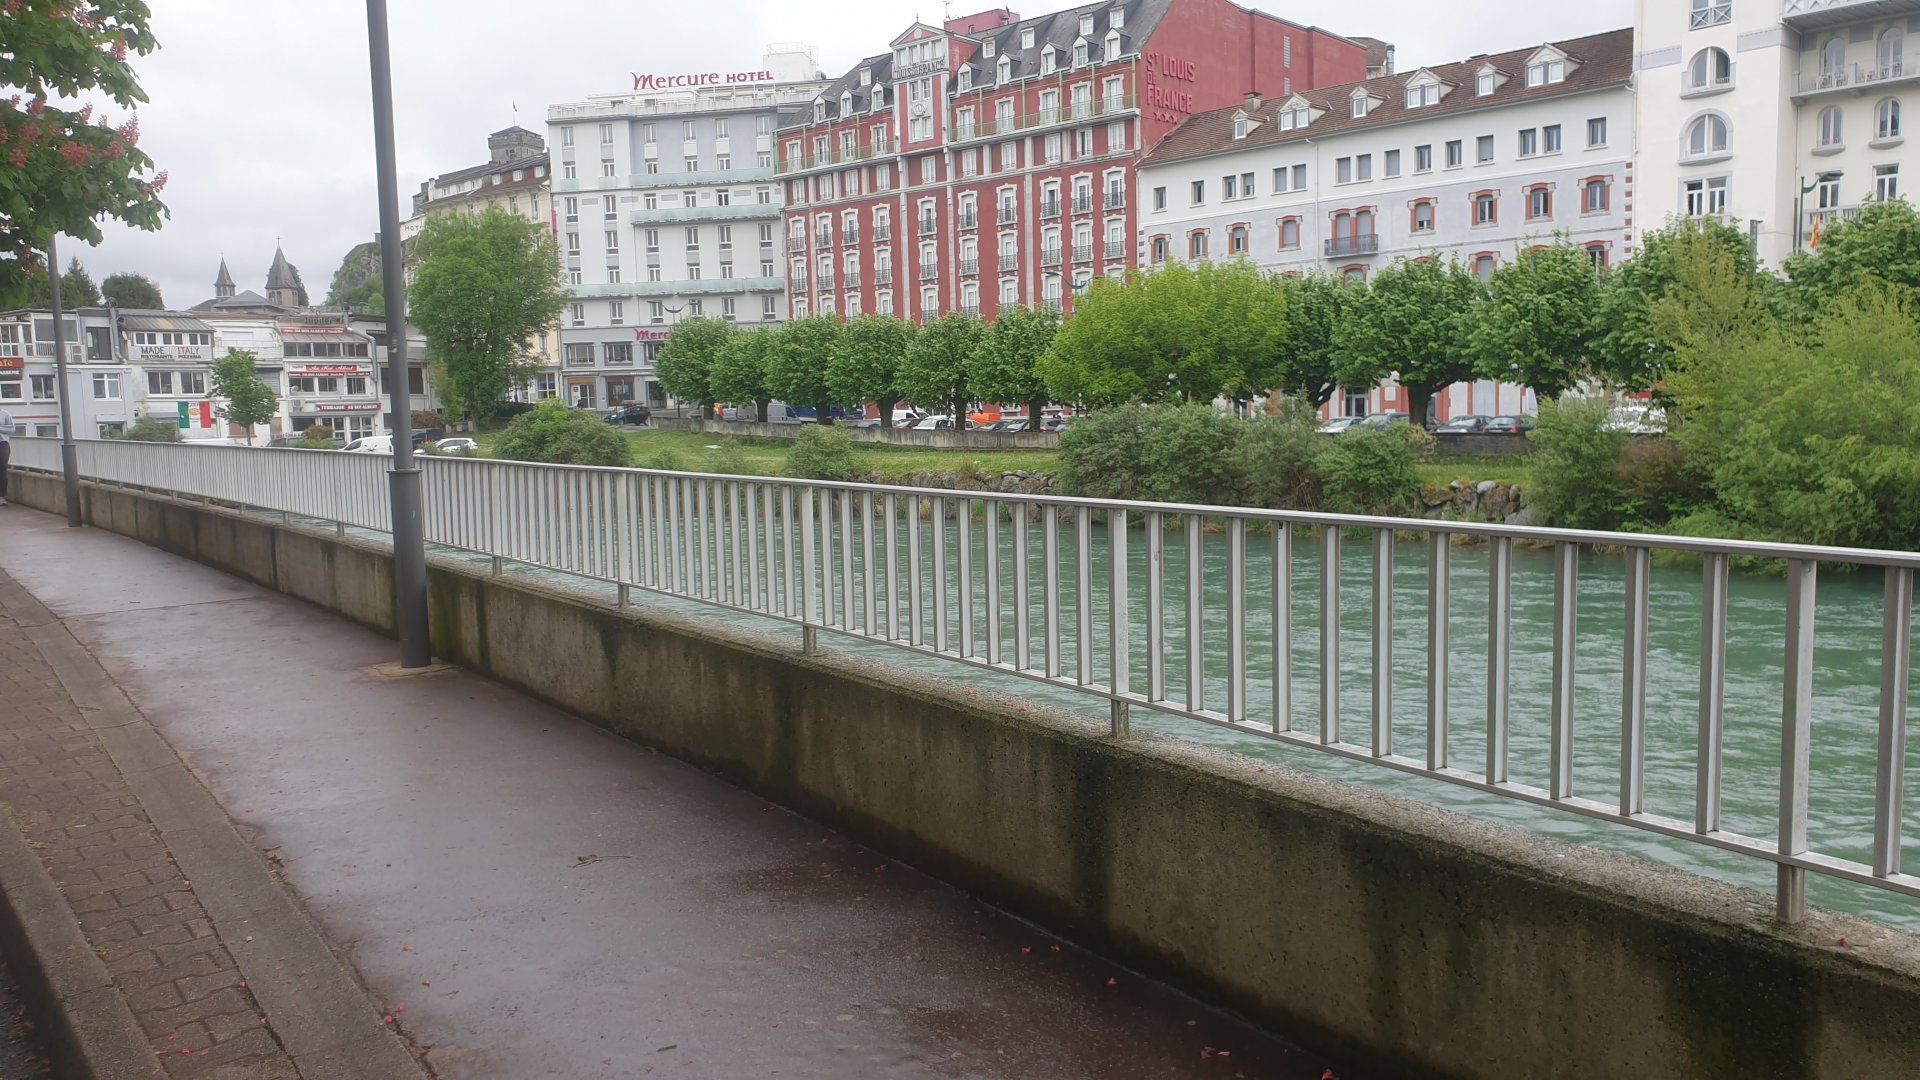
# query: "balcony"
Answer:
x=1008 y=215
x=1009 y=261
x=927 y=317
x=1855 y=78
x=969 y=267
x=1111 y=105
x=1827 y=217
x=830 y=159
x=852 y=279
x=882 y=232
x=1717 y=14
x=800 y=283
x=826 y=282
x=681 y=287
x=1050 y=256
x=969 y=219
x=824 y=240
x=927 y=226
x=1049 y=208
x=1116 y=198
x=1369 y=244
x=883 y=276
x=796 y=243
x=1804 y=15
x=929 y=271
x=1083 y=204
x=971 y=311
x=850 y=238
x=671 y=214
x=1082 y=253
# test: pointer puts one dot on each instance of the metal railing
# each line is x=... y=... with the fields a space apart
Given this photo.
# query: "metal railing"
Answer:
x=1367 y=244
x=1848 y=77
x=1056 y=587
x=1108 y=105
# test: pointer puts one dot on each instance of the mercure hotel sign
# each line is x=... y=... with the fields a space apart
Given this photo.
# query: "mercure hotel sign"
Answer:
x=695 y=79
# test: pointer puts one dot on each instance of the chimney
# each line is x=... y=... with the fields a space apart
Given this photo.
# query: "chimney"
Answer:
x=1253 y=101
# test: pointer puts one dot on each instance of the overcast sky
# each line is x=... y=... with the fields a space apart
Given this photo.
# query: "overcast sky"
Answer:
x=260 y=112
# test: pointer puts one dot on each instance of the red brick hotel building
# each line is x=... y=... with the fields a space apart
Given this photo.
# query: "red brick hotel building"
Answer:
x=989 y=162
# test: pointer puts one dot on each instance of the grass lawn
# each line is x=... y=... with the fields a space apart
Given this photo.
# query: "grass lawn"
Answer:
x=768 y=457
x=1505 y=470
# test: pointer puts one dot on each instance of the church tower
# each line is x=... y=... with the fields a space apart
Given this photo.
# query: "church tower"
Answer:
x=223 y=285
x=282 y=288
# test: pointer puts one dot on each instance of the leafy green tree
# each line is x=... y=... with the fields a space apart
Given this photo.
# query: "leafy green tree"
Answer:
x=1196 y=330
x=686 y=361
x=866 y=362
x=76 y=289
x=1576 y=483
x=130 y=291
x=823 y=453
x=150 y=428
x=63 y=168
x=487 y=286
x=1628 y=352
x=245 y=399
x=934 y=373
x=358 y=284
x=558 y=435
x=1882 y=244
x=1004 y=367
x=1410 y=324
x=739 y=375
x=1541 y=320
x=797 y=369
x=1372 y=471
x=1305 y=356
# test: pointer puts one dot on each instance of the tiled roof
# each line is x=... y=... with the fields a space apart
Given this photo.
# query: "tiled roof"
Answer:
x=487 y=168
x=1599 y=61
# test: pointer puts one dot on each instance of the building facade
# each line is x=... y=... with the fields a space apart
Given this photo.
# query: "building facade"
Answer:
x=1778 y=115
x=988 y=162
x=101 y=386
x=1473 y=161
x=666 y=207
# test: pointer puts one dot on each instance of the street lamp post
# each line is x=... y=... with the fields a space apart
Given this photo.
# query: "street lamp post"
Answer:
x=1800 y=203
x=409 y=538
x=69 y=453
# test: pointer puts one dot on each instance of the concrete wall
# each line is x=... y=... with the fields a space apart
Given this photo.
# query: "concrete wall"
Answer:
x=937 y=440
x=1400 y=939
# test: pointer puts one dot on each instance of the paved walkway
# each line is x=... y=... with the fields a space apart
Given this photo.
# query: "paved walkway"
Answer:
x=528 y=896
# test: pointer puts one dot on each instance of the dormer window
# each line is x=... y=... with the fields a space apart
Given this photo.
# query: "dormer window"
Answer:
x=846 y=103
x=1117 y=18
x=1005 y=72
x=1080 y=54
x=1086 y=25
x=1546 y=73
x=1112 y=47
x=866 y=76
x=1026 y=37
x=1241 y=125
x=1485 y=83
x=1046 y=60
x=1359 y=105
x=819 y=111
x=1423 y=95
x=986 y=48
x=965 y=79
x=1294 y=118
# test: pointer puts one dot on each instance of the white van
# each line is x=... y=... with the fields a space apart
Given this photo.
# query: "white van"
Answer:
x=370 y=444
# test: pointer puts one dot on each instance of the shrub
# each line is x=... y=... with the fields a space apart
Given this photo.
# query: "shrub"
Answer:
x=665 y=461
x=1102 y=456
x=1278 y=463
x=150 y=429
x=558 y=435
x=1655 y=483
x=1187 y=455
x=316 y=437
x=732 y=460
x=1577 y=483
x=823 y=453
x=1373 y=471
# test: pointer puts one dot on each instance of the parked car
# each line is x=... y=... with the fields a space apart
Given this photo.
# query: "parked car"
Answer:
x=1339 y=425
x=370 y=444
x=1509 y=425
x=933 y=423
x=1056 y=423
x=1381 y=420
x=457 y=445
x=1638 y=419
x=632 y=413
x=1463 y=425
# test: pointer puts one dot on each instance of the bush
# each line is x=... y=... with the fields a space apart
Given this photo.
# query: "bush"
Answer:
x=1655 y=483
x=557 y=435
x=1278 y=462
x=1187 y=455
x=317 y=437
x=150 y=429
x=823 y=453
x=1577 y=482
x=1372 y=471
x=1103 y=455
x=665 y=461
x=732 y=461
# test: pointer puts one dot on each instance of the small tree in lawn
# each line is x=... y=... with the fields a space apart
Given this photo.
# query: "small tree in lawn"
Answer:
x=1411 y=324
x=1540 y=323
x=245 y=399
x=487 y=286
x=686 y=360
x=128 y=291
x=797 y=368
x=1003 y=366
x=558 y=435
x=866 y=362
x=1306 y=356
x=739 y=375
x=935 y=372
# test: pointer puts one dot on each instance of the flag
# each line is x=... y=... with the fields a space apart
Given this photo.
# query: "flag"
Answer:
x=1814 y=240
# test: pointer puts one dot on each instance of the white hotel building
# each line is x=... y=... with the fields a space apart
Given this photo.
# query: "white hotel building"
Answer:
x=1778 y=114
x=666 y=208
x=1471 y=160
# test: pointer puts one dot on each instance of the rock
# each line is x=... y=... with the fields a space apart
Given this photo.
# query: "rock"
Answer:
x=1485 y=486
x=1523 y=516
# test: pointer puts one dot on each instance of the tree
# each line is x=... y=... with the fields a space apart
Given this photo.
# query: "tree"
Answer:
x=1411 y=325
x=299 y=287
x=740 y=370
x=128 y=290
x=1540 y=322
x=1004 y=367
x=358 y=285
x=150 y=428
x=1627 y=352
x=797 y=368
x=866 y=362
x=1882 y=244
x=934 y=373
x=1305 y=357
x=686 y=360
x=558 y=435
x=76 y=290
x=244 y=398
x=486 y=286
x=65 y=168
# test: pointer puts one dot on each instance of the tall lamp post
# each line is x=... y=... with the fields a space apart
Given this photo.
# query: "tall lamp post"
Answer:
x=69 y=453
x=409 y=536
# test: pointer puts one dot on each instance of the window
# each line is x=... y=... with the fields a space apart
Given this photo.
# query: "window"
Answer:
x=1711 y=69
x=1546 y=73
x=656 y=312
x=613 y=241
x=1593 y=196
x=1454 y=155
x=1529 y=142
x=1343 y=170
x=1390 y=164
x=106 y=386
x=606 y=166
x=1596 y=132
x=1539 y=202
x=568 y=171
x=1241 y=125
x=1706 y=196
x=1294 y=118
x=1423 y=158
x=1483 y=266
x=1289 y=234
x=1418 y=96
x=1707 y=136
x=41 y=387
x=1891 y=54
x=577 y=314
x=1363 y=167
x=1483 y=150
x=566 y=136
x=1711 y=13
x=616 y=312
x=1237 y=240
x=1486 y=208
x=1422 y=219
x=1197 y=244
x=1833 y=62
x=1830 y=131
x=1886 y=182
x=606 y=134
x=1550 y=138
x=1198 y=193
x=1597 y=254
x=1485 y=83
x=1358 y=107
